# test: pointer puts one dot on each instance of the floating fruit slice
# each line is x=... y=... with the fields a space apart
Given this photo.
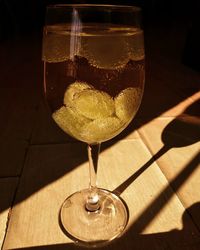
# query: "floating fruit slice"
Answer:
x=127 y=103
x=69 y=121
x=55 y=47
x=135 y=43
x=94 y=104
x=109 y=52
x=101 y=129
x=74 y=89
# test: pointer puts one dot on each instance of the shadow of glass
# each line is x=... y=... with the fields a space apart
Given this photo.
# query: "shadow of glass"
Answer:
x=185 y=239
x=182 y=131
x=188 y=238
x=153 y=209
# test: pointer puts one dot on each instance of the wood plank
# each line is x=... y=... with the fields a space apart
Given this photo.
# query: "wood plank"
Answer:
x=179 y=157
x=7 y=190
x=54 y=172
x=12 y=154
x=18 y=109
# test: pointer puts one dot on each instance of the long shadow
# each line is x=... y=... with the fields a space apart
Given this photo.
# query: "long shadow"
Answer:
x=182 y=131
x=187 y=238
x=165 y=195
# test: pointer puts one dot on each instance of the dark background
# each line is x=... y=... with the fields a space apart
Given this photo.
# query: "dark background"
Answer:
x=23 y=15
x=19 y=17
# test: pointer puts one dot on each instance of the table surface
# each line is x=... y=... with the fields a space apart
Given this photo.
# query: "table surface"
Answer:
x=153 y=165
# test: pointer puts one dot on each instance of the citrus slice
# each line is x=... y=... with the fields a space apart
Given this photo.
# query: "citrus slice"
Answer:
x=107 y=52
x=74 y=89
x=69 y=121
x=94 y=104
x=101 y=129
x=135 y=44
x=127 y=103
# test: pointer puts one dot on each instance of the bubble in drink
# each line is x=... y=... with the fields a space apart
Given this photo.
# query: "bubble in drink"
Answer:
x=69 y=121
x=101 y=129
x=94 y=104
x=73 y=90
x=127 y=103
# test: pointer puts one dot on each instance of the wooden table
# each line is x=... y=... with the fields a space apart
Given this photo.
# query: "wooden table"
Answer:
x=153 y=165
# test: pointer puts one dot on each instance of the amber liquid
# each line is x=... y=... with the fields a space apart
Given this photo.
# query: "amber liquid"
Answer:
x=93 y=79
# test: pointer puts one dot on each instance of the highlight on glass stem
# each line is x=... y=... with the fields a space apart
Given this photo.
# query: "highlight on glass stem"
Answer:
x=93 y=81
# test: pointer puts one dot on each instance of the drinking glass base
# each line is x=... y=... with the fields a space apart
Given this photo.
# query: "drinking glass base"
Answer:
x=93 y=228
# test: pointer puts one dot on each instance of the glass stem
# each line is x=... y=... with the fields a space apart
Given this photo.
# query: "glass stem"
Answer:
x=92 y=203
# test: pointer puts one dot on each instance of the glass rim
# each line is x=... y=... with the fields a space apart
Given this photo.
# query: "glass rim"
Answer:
x=111 y=6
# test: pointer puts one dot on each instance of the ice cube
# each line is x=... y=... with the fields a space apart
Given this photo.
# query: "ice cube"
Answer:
x=56 y=47
x=69 y=121
x=127 y=103
x=101 y=129
x=74 y=89
x=94 y=104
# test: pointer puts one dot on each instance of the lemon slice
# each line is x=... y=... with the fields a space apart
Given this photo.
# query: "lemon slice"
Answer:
x=101 y=129
x=137 y=55
x=135 y=43
x=69 y=121
x=127 y=103
x=107 y=52
x=94 y=104
x=74 y=89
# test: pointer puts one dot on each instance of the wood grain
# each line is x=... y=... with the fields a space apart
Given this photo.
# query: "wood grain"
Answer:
x=179 y=157
x=18 y=111
x=7 y=190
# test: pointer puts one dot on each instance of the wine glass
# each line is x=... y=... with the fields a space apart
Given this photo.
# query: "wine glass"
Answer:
x=93 y=81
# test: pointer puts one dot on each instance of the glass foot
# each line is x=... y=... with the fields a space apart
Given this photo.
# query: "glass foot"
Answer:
x=93 y=228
